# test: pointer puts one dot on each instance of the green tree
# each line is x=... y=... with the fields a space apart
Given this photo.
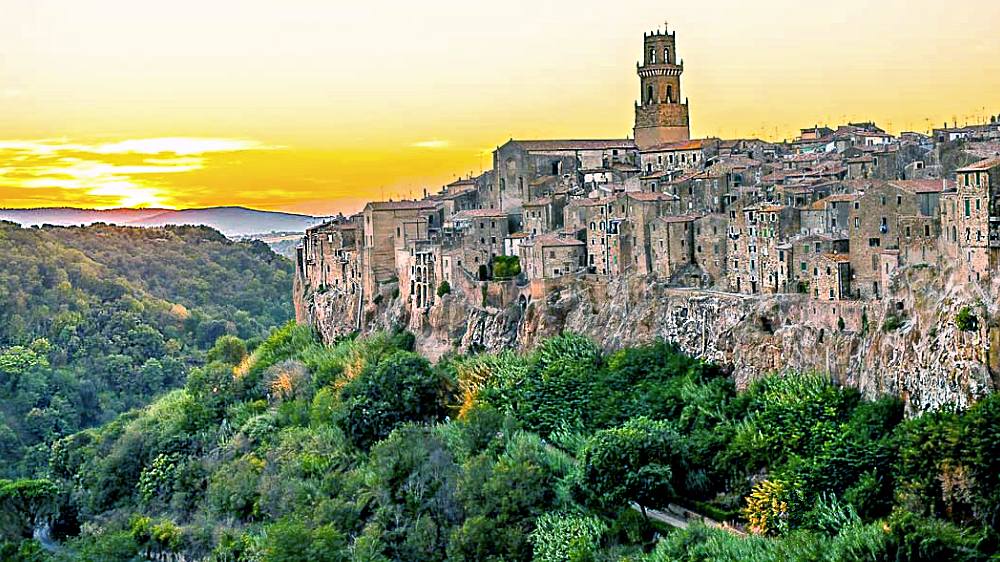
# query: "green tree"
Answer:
x=642 y=461
x=25 y=504
x=401 y=388
x=228 y=349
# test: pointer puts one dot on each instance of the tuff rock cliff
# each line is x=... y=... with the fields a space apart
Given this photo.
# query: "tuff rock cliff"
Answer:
x=907 y=344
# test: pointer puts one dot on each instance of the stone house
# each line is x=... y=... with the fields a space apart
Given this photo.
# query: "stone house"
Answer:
x=970 y=217
x=483 y=233
x=682 y=155
x=549 y=256
x=830 y=277
x=874 y=227
x=519 y=163
x=383 y=234
x=544 y=215
x=671 y=244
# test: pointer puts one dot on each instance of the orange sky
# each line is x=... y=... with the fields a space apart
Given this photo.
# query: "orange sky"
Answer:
x=318 y=105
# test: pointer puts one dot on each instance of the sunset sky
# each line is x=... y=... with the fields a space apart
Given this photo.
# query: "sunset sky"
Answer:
x=319 y=105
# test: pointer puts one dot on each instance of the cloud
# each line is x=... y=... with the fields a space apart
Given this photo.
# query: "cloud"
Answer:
x=126 y=173
x=431 y=144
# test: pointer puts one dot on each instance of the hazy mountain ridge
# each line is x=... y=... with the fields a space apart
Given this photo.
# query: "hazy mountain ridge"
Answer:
x=231 y=221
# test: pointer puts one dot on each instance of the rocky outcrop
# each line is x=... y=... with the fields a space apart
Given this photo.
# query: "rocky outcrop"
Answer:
x=907 y=344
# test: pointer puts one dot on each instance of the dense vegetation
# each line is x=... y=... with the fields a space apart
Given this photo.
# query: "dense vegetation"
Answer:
x=95 y=321
x=364 y=451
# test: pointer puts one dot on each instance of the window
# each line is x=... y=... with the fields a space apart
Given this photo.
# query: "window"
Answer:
x=968 y=209
x=899 y=200
x=670 y=94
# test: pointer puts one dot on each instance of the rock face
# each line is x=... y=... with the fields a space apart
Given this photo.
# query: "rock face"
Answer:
x=907 y=344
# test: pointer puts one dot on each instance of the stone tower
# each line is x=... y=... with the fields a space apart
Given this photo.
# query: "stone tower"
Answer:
x=660 y=117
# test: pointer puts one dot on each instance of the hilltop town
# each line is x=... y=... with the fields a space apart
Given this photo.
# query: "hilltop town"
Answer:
x=832 y=220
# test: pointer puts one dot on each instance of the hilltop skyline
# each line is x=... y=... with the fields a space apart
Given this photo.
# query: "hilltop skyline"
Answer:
x=318 y=109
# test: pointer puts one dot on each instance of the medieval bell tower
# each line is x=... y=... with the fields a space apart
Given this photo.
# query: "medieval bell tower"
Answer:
x=660 y=117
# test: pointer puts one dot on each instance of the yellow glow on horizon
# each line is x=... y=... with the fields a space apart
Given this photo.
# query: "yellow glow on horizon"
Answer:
x=317 y=106
x=126 y=173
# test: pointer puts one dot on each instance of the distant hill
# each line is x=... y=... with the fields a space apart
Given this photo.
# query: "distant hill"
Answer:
x=231 y=221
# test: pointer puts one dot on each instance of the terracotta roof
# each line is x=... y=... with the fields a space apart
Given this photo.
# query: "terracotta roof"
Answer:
x=400 y=205
x=677 y=218
x=545 y=240
x=981 y=165
x=480 y=213
x=542 y=180
x=537 y=202
x=695 y=144
x=655 y=175
x=576 y=144
x=919 y=186
x=842 y=197
x=643 y=196
x=839 y=258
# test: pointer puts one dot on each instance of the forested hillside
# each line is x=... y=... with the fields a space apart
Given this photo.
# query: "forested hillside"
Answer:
x=97 y=320
x=364 y=451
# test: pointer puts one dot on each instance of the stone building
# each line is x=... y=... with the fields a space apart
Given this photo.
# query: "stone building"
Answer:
x=331 y=256
x=550 y=256
x=970 y=217
x=710 y=247
x=544 y=215
x=419 y=273
x=383 y=234
x=874 y=227
x=483 y=233
x=671 y=244
x=830 y=276
x=660 y=115
x=682 y=155
x=525 y=170
x=755 y=232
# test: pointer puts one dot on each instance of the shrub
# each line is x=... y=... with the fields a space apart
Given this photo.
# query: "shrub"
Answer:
x=443 y=289
x=966 y=320
x=769 y=507
x=506 y=267
x=566 y=538
x=892 y=322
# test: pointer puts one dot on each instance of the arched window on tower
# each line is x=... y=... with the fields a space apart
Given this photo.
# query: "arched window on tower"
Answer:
x=649 y=94
x=666 y=55
x=652 y=56
x=670 y=94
